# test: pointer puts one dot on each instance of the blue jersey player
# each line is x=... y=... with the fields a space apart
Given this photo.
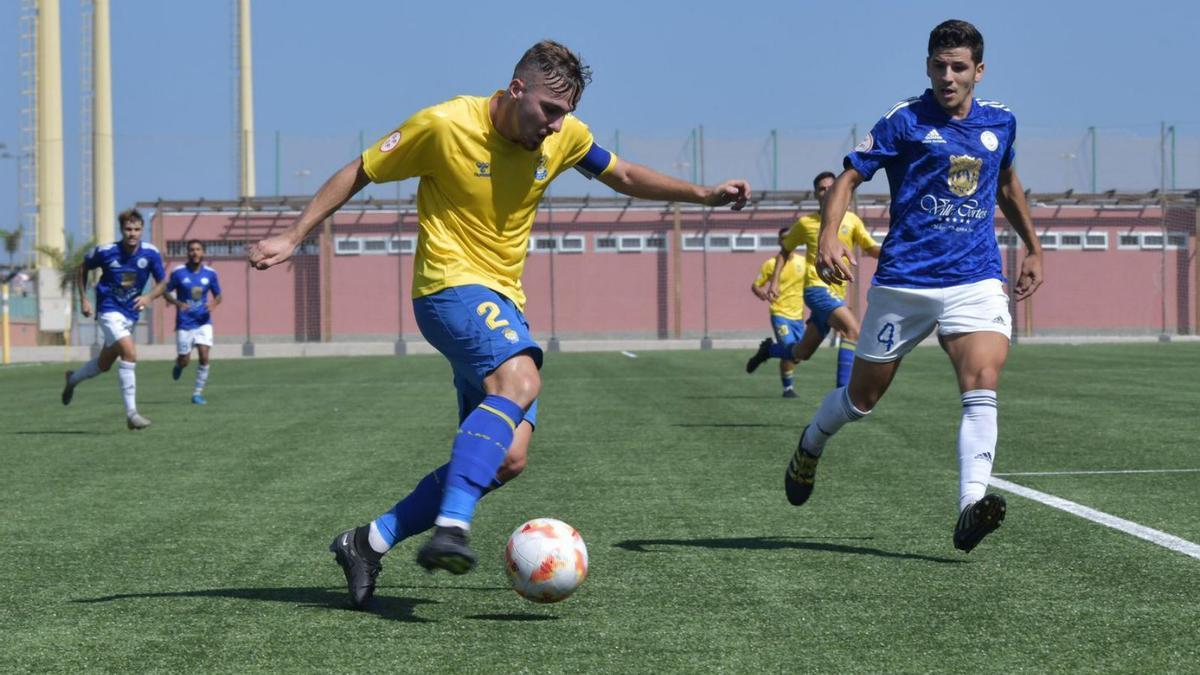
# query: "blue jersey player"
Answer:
x=949 y=163
x=189 y=288
x=125 y=267
x=484 y=163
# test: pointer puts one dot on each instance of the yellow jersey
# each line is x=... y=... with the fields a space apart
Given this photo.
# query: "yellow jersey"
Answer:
x=805 y=232
x=790 y=303
x=478 y=193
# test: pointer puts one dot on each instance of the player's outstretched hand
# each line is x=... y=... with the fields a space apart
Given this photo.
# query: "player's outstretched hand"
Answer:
x=736 y=192
x=834 y=262
x=270 y=252
x=140 y=302
x=1031 y=276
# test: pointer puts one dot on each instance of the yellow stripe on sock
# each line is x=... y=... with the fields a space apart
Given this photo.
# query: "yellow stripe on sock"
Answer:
x=512 y=425
x=847 y=344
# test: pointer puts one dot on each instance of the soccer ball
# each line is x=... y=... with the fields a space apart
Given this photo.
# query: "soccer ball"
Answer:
x=546 y=560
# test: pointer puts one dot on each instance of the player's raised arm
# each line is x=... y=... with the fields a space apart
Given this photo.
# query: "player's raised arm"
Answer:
x=336 y=191
x=834 y=260
x=1010 y=197
x=642 y=182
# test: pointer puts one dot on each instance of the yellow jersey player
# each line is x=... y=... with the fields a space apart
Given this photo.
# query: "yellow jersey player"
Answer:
x=787 y=309
x=483 y=163
x=826 y=301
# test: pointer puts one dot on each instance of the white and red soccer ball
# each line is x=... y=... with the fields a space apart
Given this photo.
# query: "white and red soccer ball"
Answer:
x=546 y=560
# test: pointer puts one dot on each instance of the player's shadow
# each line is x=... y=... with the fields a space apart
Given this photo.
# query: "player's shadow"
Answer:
x=729 y=425
x=775 y=544
x=723 y=397
x=513 y=617
x=396 y=609
x=50 y=432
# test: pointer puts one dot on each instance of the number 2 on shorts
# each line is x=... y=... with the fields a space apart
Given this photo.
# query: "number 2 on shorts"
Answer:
x=493 y=311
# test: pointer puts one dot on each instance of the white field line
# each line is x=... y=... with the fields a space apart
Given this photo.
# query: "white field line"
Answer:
x=1093 y=473
x=1129 y=527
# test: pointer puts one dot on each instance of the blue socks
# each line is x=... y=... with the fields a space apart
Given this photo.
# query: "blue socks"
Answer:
x=779 y=350
x=479 y=450
x=845 y=361
x=789 y=379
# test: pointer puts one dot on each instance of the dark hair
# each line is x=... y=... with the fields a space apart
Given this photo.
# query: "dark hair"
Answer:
x=562 y=71
x=189 y=243
x=822 y=176
x=128 y=215
x=956 y=33
x=784 y=230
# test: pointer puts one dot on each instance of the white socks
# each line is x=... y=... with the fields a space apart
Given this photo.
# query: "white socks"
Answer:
x=378 y=543
x=976 y=445
x=128 y=379
x=87 y=372
x=835 y=411
x=201 y=379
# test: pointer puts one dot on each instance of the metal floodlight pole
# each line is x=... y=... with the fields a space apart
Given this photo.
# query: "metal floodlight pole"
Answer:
x=552 y=345
x=401 y=347
x=1092 y=136
x=1162 y=200
x=706 y=341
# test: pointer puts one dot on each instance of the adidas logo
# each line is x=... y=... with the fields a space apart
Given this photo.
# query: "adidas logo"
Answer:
x=1000 y=320
x=984 y=455
x=933 y=137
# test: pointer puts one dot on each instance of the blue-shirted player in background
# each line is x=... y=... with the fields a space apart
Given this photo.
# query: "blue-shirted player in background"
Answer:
x=188 y=288
x=125 y=267
x=949 y=162
x=484 y=163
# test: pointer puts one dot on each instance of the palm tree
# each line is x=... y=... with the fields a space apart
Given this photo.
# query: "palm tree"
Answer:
x=68 y=263
x=12 y=242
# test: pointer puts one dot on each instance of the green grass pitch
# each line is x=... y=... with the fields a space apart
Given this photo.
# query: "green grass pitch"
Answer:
x=200 y=544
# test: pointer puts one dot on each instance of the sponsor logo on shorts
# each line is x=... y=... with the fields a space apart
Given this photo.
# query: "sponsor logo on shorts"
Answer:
x=1000 y=320
x=511 y=335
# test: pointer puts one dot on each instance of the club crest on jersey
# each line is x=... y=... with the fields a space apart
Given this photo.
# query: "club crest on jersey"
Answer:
x=989 y=141
x=390 y=142
x=483 y=169
x=963 y=177
x=540 y=172
x=141 y=263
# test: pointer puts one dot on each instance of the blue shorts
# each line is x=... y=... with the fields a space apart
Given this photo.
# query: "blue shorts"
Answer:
x=787 y=331
x=822 y=302
x=476 y=329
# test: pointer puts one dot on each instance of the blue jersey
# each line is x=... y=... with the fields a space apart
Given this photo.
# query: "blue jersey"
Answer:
x=194 y=289
x=123 y=276
x=942 y=174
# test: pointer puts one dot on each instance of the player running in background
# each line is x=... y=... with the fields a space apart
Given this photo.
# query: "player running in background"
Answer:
x=483 y=163
x=188 y=289
x=826 y=302
x=125 y=266
x=787 y=308
x=949 y=160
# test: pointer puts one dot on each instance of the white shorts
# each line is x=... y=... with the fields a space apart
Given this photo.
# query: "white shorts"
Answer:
x=899 y=318
x=186 y=339
x=114 y=326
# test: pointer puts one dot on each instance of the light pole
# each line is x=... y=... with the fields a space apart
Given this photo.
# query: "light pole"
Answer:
x=301 y=175
x=1068 y=157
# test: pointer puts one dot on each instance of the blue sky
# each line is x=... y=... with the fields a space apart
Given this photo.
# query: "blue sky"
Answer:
x=325 y=74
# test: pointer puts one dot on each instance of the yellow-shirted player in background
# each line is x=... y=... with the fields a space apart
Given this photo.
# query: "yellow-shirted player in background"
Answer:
x=484 y=163
x=787 y=310
x=826 y=302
